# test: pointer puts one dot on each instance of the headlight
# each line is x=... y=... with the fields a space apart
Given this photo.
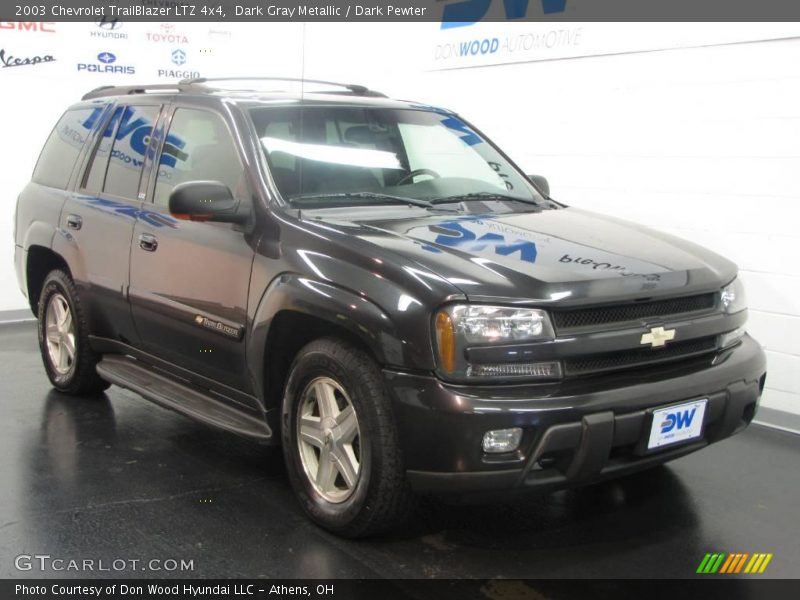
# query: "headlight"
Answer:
x=732 y=297
x=462 y=326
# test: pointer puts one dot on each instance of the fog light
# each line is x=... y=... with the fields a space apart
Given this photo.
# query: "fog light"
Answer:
x=732 y=337
x=502 y=440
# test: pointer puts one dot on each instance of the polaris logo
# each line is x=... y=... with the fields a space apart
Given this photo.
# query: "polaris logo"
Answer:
x=106 y=64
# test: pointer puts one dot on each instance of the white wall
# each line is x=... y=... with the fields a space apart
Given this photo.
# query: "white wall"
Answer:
x=690 y=129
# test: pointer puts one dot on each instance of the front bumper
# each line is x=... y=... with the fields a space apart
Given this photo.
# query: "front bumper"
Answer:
x=575 y=432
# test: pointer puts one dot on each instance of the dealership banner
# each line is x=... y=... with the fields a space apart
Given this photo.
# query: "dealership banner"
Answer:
x=449 y=13
x=491 y=43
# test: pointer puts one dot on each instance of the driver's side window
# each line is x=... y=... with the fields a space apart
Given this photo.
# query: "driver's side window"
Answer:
x=199 y=147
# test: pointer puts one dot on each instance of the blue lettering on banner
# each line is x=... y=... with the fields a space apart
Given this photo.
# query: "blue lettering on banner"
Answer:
x=468 y=12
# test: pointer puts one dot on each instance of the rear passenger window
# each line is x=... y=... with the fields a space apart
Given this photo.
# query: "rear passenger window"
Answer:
x=62 y=148
x=127 y=152
x=199 y=147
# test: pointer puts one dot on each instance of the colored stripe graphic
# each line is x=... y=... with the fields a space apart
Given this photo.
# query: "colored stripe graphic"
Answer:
x=711 y=563
x=741 y=563
x=720 y=562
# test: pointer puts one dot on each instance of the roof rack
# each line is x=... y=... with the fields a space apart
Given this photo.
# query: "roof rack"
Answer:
x=357 y=89
x=200 y=85
x=122 y=90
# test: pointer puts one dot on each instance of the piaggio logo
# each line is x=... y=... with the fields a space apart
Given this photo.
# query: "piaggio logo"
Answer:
x=737 y=562
x=468 y=12
x=178 y=57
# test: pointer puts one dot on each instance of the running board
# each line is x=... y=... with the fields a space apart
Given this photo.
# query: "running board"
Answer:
x=129 y=373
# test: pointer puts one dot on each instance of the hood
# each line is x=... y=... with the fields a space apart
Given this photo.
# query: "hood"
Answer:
x=569 y=256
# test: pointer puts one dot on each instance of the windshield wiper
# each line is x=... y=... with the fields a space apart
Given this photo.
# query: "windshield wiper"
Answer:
x=480 y=196
x=384 y=198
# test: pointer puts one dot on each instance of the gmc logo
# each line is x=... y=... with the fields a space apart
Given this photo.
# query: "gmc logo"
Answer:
x=43 y=27
x=467 y=12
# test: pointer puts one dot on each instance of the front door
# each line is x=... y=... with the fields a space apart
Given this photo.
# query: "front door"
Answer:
x=189 y=280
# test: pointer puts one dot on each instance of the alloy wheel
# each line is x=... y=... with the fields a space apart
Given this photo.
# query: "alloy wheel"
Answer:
x=329 y=440
x=60 y=334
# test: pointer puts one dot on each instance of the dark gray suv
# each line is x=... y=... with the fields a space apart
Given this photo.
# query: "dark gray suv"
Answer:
x=374 y=285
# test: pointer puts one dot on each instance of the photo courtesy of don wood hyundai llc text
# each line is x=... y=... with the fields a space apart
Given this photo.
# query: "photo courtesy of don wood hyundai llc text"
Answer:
x=458 y=298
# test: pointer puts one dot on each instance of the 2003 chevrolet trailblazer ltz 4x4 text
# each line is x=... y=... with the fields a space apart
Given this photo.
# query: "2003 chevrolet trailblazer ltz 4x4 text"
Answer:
x=375 y=286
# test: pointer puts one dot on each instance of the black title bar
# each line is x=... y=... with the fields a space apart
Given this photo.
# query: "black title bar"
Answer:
x=448 y=12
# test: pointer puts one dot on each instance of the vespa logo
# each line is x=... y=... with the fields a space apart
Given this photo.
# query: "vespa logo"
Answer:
x=658 y=337
x=468 y=12
x=678 y=420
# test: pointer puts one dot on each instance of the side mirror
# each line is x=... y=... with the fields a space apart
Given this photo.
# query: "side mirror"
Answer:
x=540 y=183
x=206 y=201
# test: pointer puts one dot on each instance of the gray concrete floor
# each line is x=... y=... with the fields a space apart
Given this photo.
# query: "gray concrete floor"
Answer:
x=116 y=477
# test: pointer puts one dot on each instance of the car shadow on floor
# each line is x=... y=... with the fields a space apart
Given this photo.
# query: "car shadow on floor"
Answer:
x=81 y=438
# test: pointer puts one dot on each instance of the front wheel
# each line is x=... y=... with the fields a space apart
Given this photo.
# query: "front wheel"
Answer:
x=340 y=442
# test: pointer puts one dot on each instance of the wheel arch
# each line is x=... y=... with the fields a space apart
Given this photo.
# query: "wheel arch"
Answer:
x=294 y=311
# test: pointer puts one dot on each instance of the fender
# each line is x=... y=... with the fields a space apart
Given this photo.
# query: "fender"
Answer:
x=39 y=233
x=64 y=245
x=327 y=301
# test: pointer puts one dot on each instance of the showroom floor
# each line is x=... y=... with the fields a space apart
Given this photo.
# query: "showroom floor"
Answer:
x=117 y=477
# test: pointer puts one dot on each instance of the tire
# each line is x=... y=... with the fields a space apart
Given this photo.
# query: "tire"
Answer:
x=379 y=498
x=74 y=375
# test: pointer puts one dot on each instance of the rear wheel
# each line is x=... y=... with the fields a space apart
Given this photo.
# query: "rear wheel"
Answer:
x=64 y=338
x=340 y=442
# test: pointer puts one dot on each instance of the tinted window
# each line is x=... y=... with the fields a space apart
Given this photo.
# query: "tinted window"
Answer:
x=127 y=152
x=97 y=171
x=198 y=147
x=62 y=148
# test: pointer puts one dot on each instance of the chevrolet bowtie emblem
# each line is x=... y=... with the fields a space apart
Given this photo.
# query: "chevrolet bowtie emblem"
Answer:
x=658 y=336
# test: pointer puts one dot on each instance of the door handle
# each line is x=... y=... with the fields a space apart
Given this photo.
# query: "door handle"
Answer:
x=148 y=242
x=74 y=221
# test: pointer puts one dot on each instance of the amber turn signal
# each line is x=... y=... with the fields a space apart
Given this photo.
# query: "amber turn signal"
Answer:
x=446 y=341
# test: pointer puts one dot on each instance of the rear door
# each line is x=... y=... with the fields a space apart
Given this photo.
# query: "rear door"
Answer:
x=190 y=280
x=100 y=215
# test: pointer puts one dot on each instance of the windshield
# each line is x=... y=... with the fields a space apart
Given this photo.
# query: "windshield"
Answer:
x=322 y=156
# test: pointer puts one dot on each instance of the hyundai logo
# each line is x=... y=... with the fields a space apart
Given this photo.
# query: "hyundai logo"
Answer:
x=106 y=23
x=106 y=58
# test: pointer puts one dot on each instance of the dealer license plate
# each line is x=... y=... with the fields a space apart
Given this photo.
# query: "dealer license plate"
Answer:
x=678 y=423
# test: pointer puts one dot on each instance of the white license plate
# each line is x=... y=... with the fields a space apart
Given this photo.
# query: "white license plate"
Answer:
x=677 y=423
